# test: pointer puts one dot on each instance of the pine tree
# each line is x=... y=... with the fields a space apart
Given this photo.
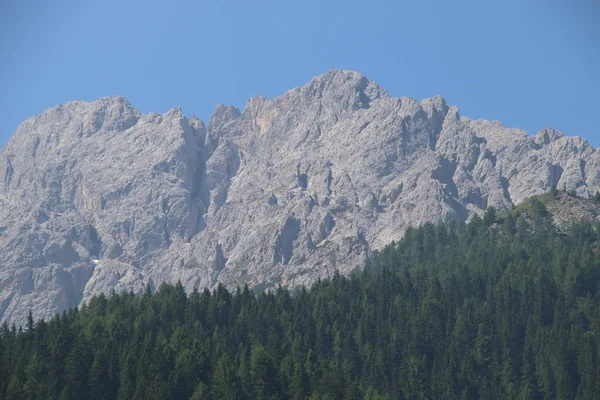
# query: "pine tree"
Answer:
x=224 y=381
x=201 y=392
x=263 y=373
x=77 y=369
x=299 y=384
x=490 y=217
x=99 y=382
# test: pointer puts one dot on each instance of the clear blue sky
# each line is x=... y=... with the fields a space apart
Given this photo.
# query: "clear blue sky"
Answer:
x=528 y=63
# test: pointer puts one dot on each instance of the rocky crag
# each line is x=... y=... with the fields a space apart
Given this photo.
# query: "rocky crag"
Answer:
x=96 y=197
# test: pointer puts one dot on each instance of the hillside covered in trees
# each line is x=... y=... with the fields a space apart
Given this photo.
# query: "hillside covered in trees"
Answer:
x=505 y=307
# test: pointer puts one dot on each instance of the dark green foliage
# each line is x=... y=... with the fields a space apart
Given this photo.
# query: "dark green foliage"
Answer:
x=502 y=308
x=490 y=216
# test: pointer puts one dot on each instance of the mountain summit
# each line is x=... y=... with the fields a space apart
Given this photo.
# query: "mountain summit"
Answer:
x=97 y=196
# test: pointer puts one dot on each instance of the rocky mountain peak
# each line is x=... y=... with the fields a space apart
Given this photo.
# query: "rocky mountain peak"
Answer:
x=222 y=115
x=547 y=135
x=349 y=89
x=96 y=196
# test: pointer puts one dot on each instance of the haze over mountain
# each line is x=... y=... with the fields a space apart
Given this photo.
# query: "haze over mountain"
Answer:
x=98 y=197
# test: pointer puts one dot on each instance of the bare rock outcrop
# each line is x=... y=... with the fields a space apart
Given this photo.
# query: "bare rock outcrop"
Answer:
x=98 y=197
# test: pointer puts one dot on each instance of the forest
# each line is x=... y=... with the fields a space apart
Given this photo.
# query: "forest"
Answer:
x=504 y=307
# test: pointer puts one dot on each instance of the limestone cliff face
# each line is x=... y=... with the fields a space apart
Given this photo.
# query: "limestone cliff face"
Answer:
x=96 y=197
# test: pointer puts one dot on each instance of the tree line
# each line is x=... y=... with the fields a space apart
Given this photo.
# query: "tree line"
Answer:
x=504 y=307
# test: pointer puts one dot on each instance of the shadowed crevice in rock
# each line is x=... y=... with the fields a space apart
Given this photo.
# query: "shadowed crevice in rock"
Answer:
x=114 y=251
x=554 y=175
x=459 y=211
x=9 y=173
x=505 y=189
x=61 y=254
x=488 y=155
x=328 y=181
x=199 y=200
x=436 y=110
x=36 y=144
x=302 y=180
x=151 y=285
x=197 y=195
x=166 y=235
x=284 y=245
x=74 y=281
x=220 y=259
x=4 y=304
x=221 y=167
x=326 y=227
x=444 y=174
x=582 y=168
x=41 y=216
x=477 y=199
x=95 y=242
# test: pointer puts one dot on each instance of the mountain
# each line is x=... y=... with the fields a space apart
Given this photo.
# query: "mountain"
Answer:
x=97 y=196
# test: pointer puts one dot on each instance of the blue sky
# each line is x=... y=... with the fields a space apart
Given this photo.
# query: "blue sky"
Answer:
x=529 y=63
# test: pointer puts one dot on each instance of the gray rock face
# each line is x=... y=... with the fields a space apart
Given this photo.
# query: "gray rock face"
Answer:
x=98 y=197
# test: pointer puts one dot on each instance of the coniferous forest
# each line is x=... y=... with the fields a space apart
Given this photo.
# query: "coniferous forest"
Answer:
x=505 y=307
